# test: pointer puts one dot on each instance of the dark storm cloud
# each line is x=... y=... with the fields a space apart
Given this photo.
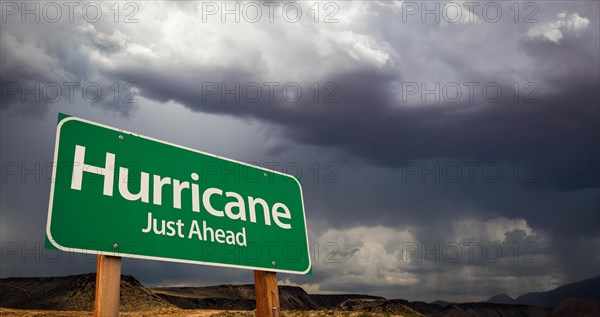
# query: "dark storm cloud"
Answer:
x=367 y=129
x=42 y=65
x=368 y=117
x=369 y=121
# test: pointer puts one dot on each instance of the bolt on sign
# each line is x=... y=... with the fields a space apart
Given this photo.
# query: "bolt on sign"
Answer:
x=122 y=194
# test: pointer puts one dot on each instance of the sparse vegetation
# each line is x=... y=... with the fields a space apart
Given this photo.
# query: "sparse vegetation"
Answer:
x=7 y=312
x=235 y=314
x=329 y=312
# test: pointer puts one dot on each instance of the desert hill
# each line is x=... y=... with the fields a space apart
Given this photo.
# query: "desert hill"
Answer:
x=240 y=297
x=490 y=309
x=571 y=307
x=380 y=306
x=331 y=301
x=75 y=292
x=586 y=289
x=501 y=299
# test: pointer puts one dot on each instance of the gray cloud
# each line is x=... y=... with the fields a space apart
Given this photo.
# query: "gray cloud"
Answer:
x=380 y=144
x=372 y=121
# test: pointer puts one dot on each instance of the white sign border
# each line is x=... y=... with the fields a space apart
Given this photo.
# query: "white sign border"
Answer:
x=147 y=257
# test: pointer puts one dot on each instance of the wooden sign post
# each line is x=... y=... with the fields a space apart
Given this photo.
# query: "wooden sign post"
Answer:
x=108 y=286
x=267 y=294
x=80 y=148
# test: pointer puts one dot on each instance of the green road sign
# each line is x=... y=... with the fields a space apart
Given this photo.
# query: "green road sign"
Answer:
x=119 y=193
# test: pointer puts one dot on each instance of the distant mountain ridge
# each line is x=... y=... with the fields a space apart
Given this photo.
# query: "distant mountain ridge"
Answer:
x=76 y=293
x=484 y=309
x=501 y=299
x=442 y=303
x=585 y=289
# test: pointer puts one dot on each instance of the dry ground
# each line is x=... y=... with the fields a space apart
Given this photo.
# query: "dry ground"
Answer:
x=8 y=312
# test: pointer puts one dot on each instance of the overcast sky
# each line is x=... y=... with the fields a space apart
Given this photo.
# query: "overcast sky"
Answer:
x=447 y=150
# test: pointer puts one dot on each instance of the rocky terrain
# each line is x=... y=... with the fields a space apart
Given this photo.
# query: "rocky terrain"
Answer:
x=575 y=308
x=7 y=312
x=380 y=306
x=241 y=297
x=74 y=296
x=331 y=301
x=489 y=309
x=74 y=292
